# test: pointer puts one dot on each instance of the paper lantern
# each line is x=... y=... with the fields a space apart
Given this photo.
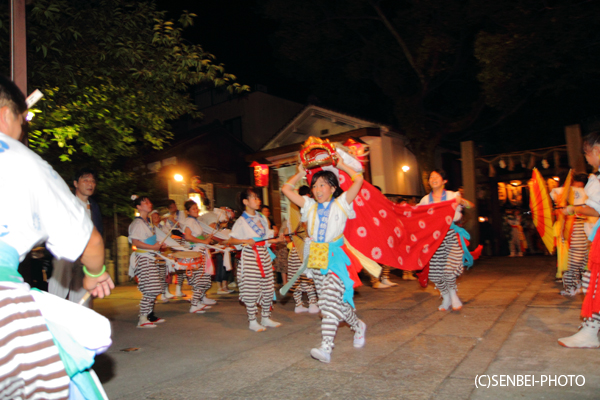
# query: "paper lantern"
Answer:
x=261 y=174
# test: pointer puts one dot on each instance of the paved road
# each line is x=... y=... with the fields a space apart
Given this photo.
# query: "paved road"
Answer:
x=509 y=324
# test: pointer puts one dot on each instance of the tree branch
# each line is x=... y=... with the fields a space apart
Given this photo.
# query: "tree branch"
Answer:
x=402 y=44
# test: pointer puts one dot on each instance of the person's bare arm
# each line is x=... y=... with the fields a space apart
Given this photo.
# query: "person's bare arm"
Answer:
x=288 y=187
x=582 y=210
x=187 y=234
x=93 y=259
x=233 y=241
x=357 y=178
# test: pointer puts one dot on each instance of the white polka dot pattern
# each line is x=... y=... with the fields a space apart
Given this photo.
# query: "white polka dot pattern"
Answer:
x=376 y=253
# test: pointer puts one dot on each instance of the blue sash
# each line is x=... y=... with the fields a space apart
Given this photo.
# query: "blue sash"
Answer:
x=594 y=230
x=152 y=239
x=9 y=264
x=260 y=232
x=338 y=263
x=323 y=215
x=431 y=196
x=463 y=234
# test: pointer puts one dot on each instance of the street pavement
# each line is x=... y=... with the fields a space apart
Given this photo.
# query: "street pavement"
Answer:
x=508 y=329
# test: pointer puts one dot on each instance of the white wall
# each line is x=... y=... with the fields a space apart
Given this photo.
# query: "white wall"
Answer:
x=388 y=154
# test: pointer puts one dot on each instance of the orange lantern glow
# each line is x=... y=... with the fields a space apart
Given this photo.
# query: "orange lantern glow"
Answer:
x=261 y=174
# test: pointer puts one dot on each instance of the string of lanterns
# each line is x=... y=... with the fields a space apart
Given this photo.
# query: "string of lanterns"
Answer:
x=527 y=159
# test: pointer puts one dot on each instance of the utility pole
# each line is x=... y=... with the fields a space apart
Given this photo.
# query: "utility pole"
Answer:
x=18 y=48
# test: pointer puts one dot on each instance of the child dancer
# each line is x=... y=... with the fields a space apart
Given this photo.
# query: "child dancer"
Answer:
x=143 y=264
x=199 y=281
x=587 y=337
x=447 y=262
x=578 y=244
x=255 y=274
x=325 y=217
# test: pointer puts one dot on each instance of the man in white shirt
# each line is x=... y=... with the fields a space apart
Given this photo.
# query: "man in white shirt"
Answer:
x=66 y=281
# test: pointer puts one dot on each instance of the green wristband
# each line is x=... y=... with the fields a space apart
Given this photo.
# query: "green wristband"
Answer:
x=85 y=271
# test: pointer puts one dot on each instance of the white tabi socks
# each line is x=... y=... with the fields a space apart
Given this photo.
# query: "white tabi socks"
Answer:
x=456 y=303
x=268 y=322
x=586 y=338
x=446 y=303
x=256 y=327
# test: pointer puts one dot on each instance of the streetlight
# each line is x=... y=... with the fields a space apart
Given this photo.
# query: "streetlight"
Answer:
x=178 y=177
x=405 y=168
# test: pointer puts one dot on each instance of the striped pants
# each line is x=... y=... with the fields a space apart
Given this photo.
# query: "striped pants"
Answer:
x=578 y=257
x=254 y=289
x=150 y=282
x=162 y=272
x=30 y=367
x=199 y=281
x=304 y=284
x=446 y=264
x=330 y=290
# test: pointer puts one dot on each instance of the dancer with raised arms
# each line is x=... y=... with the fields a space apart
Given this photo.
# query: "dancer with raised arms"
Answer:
x=325 y=215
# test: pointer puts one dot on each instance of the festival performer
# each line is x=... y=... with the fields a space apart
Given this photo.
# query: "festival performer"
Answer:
x=578 y=243
x=174 y=215
x=157 y=223
x=143 y=263
x=383 y=233
x=447 y=262
x=587 y=337
x=252 y=235
x=517 y=241
x=200 y=280
x=37 y=206
x=325 y=215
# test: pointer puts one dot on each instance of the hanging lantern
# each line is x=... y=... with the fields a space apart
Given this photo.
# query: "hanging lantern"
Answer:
x=502 y=163
x=261 y=174
x=502 y=193
x=545 y=164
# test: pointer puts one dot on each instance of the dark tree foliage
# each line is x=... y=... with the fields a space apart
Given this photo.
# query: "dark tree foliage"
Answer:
x=114 y=73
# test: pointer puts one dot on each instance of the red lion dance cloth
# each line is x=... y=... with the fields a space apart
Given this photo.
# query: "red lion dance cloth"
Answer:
x=398 y=235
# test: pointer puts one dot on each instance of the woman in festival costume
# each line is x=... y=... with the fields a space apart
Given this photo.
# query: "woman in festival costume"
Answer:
x=251 y=233
x=200 y=281
x=587 y=337
x=447 y=262
x=143 y=263
x=325 y=217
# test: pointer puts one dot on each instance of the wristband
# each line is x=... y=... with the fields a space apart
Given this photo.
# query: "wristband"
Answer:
x=85 y=271
x=289 y=184
x=355 y=175
x=571 y=211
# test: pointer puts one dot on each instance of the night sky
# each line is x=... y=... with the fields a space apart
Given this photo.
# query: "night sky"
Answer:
x=239 y=38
